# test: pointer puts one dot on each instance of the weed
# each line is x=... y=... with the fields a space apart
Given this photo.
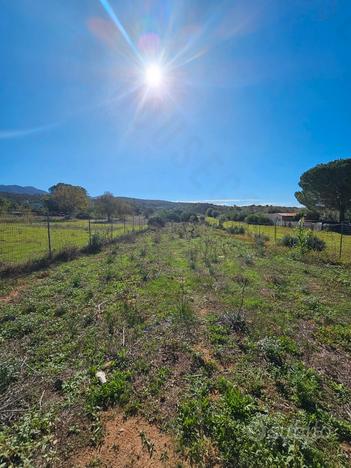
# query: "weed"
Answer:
x=218 y=334
x=235 y=321
x=305 y=386
x=336 y=335
x=147 y=444
x=29 y=436
x=117 y=389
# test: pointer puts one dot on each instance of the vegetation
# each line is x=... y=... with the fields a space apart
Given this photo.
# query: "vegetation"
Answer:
x=240 y=354
x=109 y=206
x=327 y=186
x=304 y=240
x=258 y=219
x=23 y=241
x=67 y=199
x=334 y=246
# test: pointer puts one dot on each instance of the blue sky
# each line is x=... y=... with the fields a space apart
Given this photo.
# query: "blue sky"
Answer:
x=253 y=93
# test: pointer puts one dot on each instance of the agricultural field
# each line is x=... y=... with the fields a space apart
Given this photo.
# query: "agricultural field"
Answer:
x=24 y=241
x=217 y=351
x=334 y=243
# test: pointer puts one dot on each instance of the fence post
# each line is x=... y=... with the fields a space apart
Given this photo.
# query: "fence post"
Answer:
x=49 y=235
x=275 y=232
x=111 y=229
x=133 y=223
x=89 y=229
x=124 y=224
x=341 y=239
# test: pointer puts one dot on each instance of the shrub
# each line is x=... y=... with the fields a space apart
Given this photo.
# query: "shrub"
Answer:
x=258 y=219
x=236 y=230
x=306 y=242
x=156 y=221
x=96 y=243
x=289 y=241
x=316 y=244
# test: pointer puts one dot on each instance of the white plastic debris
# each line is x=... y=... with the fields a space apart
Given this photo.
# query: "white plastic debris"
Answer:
x=101 y=376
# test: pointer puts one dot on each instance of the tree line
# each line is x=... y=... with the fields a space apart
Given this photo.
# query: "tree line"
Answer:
x=325 y=193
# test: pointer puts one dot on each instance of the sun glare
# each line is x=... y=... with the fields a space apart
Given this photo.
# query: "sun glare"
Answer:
x=153 y=76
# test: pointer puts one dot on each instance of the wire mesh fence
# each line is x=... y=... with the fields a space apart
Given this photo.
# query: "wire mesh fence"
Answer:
x=26 y=238
x=337 y=237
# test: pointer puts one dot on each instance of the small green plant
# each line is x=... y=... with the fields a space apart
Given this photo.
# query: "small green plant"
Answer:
x=7 y=375
x=117 y=389
x=192 y=257
x=184 y=311
x=147 y=444
x=305 y=386
x=159 y=380
x=96 y=243
x=218 y=334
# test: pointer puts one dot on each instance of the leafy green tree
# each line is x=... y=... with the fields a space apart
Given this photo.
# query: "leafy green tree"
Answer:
x=327 y=186
x=67 y=199
x=4 y=205
x=109 y=206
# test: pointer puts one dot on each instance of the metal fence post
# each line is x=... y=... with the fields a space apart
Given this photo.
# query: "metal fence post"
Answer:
x=133 y=223
x=124 y=224
x=111 y=229
x=49 y=235
x=89 y=228
x=341 y=239
x=275 y=232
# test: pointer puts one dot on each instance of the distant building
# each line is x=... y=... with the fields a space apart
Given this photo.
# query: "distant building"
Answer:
x=283 y=219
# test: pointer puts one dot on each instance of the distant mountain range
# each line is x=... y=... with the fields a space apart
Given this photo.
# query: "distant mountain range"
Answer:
x=18 y=189
x=34 y=196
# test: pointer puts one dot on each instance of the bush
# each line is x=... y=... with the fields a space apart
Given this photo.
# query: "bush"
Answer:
x=289 y=241
x=310 y=241
x=156 y=221
x=96 y=243
x=236 y=230
x=316 y=244
x=258 y=219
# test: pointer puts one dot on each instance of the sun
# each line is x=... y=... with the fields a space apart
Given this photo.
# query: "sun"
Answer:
x=154 y=76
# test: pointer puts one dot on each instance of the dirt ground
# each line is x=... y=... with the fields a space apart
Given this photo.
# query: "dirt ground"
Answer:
x=131 y=442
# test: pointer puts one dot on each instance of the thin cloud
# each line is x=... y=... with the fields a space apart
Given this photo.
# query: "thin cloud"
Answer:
x=21 y=133
x=239 y=201
x=222 y=201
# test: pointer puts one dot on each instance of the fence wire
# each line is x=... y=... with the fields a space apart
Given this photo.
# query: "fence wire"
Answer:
x=26 y=238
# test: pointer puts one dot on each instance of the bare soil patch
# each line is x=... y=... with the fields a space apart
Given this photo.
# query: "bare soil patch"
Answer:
x=131 y=442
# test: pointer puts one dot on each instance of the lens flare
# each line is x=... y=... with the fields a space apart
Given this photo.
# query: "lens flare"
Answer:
x=153 y=75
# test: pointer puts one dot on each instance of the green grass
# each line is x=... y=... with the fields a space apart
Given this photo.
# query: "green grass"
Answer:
x=240 y=354
x=21 y=242
x=332 y=239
